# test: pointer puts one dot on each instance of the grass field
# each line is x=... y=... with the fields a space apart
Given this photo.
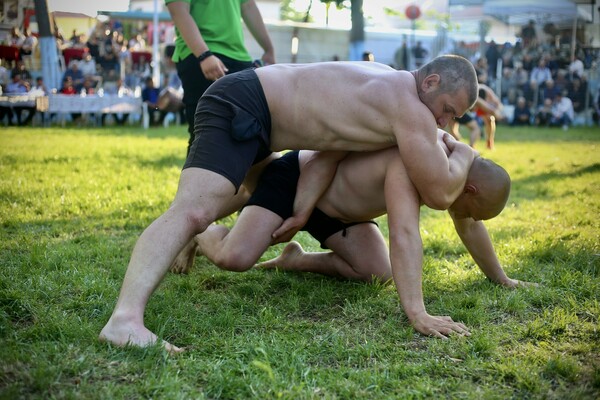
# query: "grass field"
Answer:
x=73 y=202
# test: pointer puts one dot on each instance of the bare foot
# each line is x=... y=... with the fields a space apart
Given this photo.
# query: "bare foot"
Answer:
x=126 y=333
x=286 y=259
x=185 y=259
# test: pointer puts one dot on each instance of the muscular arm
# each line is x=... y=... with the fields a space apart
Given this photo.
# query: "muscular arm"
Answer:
x=439 y=179
x=315 y=176
x=406 y=254
x=256 y=26
x=476 y=239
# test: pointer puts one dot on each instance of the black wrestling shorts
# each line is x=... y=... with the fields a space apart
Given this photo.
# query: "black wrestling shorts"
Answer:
x=276 y=191
x=232 y=127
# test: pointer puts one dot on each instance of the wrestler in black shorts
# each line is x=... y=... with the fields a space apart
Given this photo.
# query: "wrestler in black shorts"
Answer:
x=232 y=127
x=276 y=191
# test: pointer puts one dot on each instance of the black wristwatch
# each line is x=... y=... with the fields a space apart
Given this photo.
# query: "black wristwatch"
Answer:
x=204 y=56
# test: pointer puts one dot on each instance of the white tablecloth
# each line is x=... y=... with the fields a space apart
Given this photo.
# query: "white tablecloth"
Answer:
x=61 y=103
x=17 y=100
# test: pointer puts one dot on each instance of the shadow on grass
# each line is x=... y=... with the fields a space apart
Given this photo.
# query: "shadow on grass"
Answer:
x=174 y=131
x=547 y=135
x=535 y=186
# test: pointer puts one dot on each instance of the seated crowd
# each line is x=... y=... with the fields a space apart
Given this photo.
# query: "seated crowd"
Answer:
x=541 y=81
x=103 y=64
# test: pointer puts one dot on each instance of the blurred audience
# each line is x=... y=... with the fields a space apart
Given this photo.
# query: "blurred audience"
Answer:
x=522 y=113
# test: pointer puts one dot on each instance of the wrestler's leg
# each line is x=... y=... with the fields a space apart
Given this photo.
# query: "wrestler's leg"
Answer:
x=198 y=202
x=475 y=132
x=453 y=129
x=239 y=248
x=361 y=254
x=185 y=259
x=490 y=130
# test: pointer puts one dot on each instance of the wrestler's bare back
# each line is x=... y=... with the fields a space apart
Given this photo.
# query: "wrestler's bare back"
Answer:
x=353 y=106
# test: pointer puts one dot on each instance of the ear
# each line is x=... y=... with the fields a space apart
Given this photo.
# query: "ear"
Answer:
x=471 y=189
x=430 y=82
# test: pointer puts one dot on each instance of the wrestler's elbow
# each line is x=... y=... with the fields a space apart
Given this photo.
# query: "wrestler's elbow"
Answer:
x=436 y=199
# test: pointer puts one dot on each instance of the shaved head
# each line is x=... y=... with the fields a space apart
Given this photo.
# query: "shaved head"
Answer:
x=493 y=186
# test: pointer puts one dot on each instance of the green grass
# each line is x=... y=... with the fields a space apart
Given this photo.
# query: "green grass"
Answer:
x=73 y=202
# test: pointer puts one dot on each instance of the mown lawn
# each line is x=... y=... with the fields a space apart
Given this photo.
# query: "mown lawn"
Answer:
x=73 y=202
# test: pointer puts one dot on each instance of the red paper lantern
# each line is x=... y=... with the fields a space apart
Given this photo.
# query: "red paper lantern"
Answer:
x=412 y=12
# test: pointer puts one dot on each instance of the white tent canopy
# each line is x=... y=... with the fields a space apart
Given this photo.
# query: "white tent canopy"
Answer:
x=519 y=12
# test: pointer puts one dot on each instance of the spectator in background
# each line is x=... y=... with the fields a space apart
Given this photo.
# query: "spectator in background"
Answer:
x=69 y=89
x=75 y=39
x=577 y=93
x=529 y=34
x=140 y=71
x=509 y=88
x=540 y=74
x=137 y=43
x=22 y=70
x=28 y=47
x=492 y=56
x=4 y=74
x=120 y=90
x=481 y=68
x=67 y=86
x=93 y=46
x=522 y=113
x=40 y=87
x=89 y=86
x=562 y=111
x=19 y=86
x=528 y=62
x=87 y=66
x=550 y=90
x=544 y=114
x=109 y=61
x=530 y=92
x=210 y=40
x=561 y=80
x=401 y=56
x=150 y=96
x=15 y=37
x=368 y=56
x=75 y=75
x=420 y=54
x=576 y=68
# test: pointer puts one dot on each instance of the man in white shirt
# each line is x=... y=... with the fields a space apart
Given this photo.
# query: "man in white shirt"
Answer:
x=540 y=74
x=562 y=111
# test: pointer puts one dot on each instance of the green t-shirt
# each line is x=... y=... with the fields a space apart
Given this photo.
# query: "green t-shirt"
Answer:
x=219 y=22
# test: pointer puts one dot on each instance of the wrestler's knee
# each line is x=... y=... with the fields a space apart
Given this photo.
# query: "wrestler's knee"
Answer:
x=370 y=273
x=232 y=260
x=198 y=219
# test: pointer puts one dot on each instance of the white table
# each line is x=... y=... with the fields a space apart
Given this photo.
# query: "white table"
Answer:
x=94 y=104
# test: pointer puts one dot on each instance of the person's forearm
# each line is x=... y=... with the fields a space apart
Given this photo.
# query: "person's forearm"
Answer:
x=406 y=253
x=315 y=176
x=477 y=240
x=439 y=178
x=256 y=26
x=459 y=163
